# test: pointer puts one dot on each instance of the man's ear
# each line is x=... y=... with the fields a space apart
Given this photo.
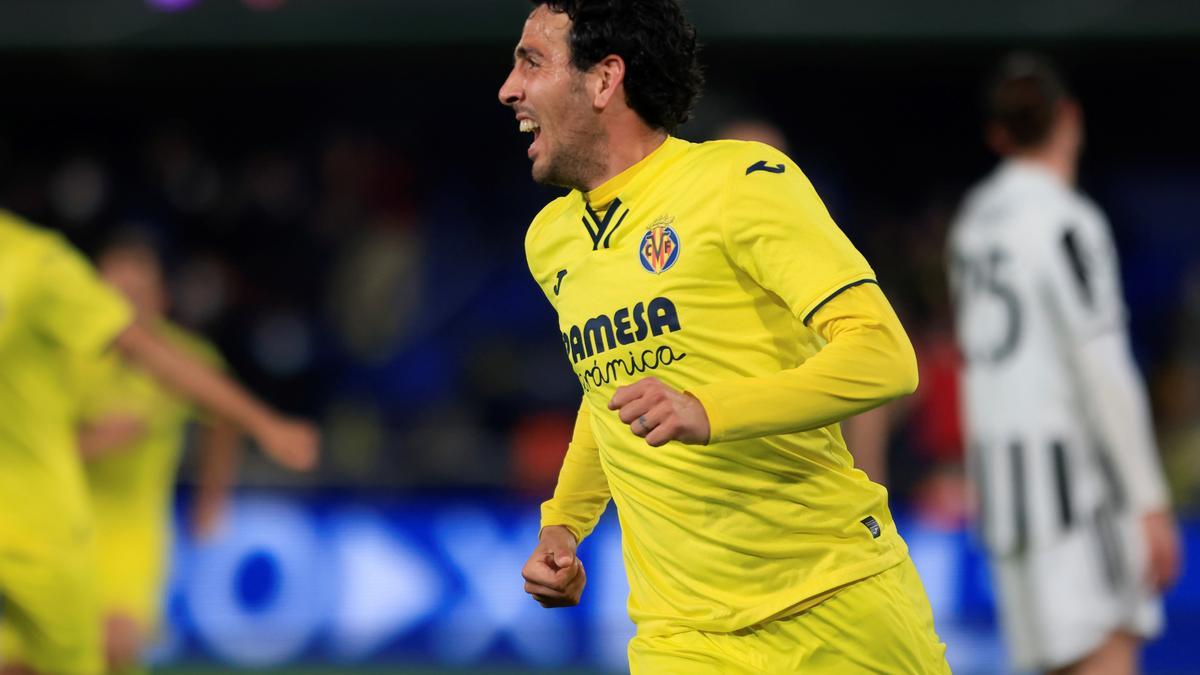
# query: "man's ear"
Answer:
x=608 y=77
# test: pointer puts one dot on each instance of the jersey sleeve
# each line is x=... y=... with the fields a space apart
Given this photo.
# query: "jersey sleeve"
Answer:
x=1081 y=279
x=867 y=361
x=535 y=255
x=1119 y=408
x=777 y=230
x=75 y=309
x=582 y=493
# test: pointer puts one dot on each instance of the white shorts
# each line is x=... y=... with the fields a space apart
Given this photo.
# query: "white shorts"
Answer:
x=1060 y=601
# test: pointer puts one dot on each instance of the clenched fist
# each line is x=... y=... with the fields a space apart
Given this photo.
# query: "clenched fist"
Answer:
x=553 y=575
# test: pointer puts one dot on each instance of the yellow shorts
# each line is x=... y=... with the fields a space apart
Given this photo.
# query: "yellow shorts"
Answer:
x=882 y=624
x=48 y=612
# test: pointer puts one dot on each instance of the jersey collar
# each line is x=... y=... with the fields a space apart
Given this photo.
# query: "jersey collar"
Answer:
x=643 y=169
x=1031 y=171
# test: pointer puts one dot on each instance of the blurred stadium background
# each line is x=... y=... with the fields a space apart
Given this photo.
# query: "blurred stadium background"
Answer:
x=342 y=201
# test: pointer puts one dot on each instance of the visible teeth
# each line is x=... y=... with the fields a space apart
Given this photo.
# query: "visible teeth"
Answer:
x=528 y=126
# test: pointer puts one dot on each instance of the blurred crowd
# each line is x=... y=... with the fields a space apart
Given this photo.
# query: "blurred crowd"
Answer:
x=350 y=236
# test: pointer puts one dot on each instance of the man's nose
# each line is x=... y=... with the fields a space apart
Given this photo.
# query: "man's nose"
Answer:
x=510 y=93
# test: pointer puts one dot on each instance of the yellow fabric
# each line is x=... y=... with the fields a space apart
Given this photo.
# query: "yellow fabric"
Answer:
x=131 y=487
x=882 y=624
x=722 y=536
x=581 y=494
x=52 y=308
x=863 y=359
x=50 y=613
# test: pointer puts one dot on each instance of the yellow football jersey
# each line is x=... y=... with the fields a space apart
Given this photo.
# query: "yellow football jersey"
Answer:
x=702 y=265
x=52 y=307
x=131 y=488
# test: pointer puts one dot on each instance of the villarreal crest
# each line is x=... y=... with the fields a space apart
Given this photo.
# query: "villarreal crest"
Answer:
x=659 y=249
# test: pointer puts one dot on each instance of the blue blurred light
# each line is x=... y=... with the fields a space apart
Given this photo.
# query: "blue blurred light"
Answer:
x=257 y=581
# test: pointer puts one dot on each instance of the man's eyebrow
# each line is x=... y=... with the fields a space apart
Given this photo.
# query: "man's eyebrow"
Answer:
x=523 y=52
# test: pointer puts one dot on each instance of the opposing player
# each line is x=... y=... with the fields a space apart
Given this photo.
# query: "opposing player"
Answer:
x=1073 y=506
x=53 y=308
x=131 y=433
x=720 y=325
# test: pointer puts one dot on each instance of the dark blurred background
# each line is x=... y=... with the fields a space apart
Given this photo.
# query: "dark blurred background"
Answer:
x=341 y=202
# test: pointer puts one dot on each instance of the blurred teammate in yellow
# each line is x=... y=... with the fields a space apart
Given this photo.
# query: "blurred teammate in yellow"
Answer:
x=53 y=310
x=131 y=435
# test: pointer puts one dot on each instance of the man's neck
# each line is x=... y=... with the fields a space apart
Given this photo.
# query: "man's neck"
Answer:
x=624 y=150
x=1058 y=161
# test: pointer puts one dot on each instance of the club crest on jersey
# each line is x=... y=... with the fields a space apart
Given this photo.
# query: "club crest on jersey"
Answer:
x=659 y=249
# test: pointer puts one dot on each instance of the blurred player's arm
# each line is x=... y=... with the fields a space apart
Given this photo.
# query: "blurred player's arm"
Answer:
x=1082 y=283
x=1121 y=408
x=101 y=437
x=554 y=576
x=85 y=316
x=291 y=443
x=220 y=454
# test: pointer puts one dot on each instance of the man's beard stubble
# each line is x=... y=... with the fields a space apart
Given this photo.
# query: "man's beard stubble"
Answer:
x=581 y=157
x=577 y=163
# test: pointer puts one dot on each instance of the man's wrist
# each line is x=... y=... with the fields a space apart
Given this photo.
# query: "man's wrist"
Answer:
x=553 y=529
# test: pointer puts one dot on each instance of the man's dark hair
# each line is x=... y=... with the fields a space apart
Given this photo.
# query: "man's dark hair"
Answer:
x=1022 y=97
x=662 y=72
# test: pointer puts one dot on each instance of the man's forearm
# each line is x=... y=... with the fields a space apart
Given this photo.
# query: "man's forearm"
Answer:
x=867 y=362
x=1120 y=411
x=218 y=460
x=193 y=378
x=581 y=494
